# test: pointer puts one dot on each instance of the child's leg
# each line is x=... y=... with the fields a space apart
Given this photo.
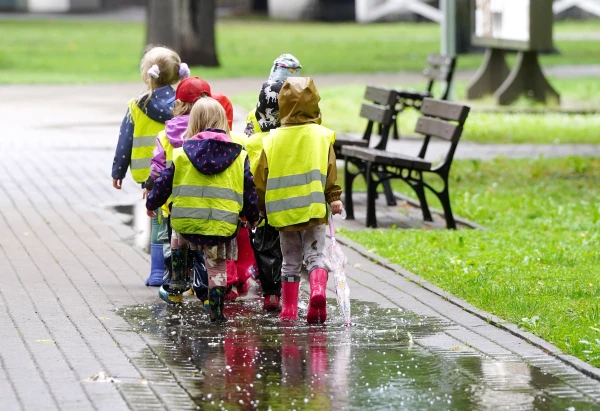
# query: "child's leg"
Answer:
x=313 y=241
x=157 y=263
x=215 y=258
x=291 y=248
x=179 y=258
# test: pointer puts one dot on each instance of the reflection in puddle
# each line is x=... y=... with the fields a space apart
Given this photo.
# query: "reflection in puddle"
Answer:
x=257 y=362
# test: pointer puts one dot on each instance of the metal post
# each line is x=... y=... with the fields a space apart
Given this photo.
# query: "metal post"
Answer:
x=448 y=33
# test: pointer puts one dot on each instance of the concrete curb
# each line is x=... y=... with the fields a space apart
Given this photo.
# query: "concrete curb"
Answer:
x=530 y=338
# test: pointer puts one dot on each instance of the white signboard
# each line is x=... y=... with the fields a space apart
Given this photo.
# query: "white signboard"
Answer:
x=502 y=19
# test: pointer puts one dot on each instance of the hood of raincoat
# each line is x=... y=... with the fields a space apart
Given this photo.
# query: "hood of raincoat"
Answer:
x=299 y=102
x=285 y=66
x=267 y=108
x=211 y=151
x=175 y=130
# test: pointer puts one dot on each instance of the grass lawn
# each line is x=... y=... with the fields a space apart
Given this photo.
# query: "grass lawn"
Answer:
x=340 y=106
x=537 y=266
x=92 y=51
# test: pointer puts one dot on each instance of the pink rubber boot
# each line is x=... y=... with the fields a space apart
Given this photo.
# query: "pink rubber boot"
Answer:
x=289 y=300
x=317 y=311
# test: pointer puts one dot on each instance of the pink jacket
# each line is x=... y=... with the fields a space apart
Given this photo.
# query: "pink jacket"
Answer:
x=175 y=130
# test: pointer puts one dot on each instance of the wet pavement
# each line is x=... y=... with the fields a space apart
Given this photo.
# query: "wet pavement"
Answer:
x=81 y=332
x=257 y=362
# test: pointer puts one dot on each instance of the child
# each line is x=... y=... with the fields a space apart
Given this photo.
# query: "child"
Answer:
x=269 y=274
x=212 y=187
x=295 y=179
x=188 y=92
x=145 y=118
x=284 y=66
x=240 y=270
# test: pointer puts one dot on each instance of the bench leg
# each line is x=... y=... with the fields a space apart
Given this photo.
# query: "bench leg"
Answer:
x=371 y=196
x=389 y=193
x=396 y=134
x=348 y=180
x=420 y=192
x=444 y=197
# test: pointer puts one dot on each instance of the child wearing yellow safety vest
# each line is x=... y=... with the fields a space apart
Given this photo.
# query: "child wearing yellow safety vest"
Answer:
x=284 y=66
x=212 y=187
x=145 y=118
x=173 y=136
x=295 y=180
x=269 y=263
x=241 y=269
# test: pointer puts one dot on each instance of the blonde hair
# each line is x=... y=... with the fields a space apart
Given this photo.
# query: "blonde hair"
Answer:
x=168 y=63
x=181 y=108
x=207 y=113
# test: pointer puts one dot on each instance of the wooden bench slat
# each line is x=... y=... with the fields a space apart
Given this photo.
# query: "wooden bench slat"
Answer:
x=349 y=141
x=444 y=110
x=386 y=158
x=437 y=60
x=437 y=128
x=440 y=74
x=381 y=95
x=377 y=113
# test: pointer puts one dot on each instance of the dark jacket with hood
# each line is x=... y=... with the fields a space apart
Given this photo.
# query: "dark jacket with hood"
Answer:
x=299 y=105
x=159 y=109
x=213 y=154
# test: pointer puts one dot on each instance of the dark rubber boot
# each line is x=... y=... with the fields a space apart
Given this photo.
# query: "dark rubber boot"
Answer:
x=178 y=281
x=217 y=302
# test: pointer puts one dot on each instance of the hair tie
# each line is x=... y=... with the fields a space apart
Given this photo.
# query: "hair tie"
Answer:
x=154 y=71
x=184 y=71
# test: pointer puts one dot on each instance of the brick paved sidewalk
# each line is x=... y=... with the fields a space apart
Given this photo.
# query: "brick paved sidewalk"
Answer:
x=67 y=262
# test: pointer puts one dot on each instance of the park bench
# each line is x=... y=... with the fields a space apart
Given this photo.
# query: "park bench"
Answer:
x=441 y=120
x=378 y=110
x=439 y=69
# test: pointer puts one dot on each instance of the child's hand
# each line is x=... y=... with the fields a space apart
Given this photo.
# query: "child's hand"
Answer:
x=150 y=213
x=145 y=193
x=336 y=207
x=117 y=183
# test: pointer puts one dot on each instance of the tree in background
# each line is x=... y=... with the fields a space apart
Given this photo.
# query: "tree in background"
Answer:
x=187 y=26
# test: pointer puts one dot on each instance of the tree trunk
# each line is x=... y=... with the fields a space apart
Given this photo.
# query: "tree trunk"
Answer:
x=187 y=26
x=160 y=29
x=260 y=6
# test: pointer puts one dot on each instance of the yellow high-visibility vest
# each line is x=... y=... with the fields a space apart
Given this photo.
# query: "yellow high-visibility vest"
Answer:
x=251 y=118
x=168 y=147
x=238 y=138
x=207 y=204
x=254 y=147
x=144 y=141
x=297 y=158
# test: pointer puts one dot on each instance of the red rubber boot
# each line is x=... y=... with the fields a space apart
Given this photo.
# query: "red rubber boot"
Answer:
x=317 y=306
x=289 y=300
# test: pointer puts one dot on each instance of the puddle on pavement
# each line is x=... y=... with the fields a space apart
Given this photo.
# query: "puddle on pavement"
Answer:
x=256 y=362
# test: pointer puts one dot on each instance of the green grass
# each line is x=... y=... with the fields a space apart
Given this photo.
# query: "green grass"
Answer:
x=539 y=263
x=91 y=51
x=340 y=106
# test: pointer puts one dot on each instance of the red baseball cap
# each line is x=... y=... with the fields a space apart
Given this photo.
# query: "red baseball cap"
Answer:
x=191 y=89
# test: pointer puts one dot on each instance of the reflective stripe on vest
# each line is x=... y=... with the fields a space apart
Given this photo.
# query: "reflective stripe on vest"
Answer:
x=207 y=204
x=144 y=141
x=297 y=157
